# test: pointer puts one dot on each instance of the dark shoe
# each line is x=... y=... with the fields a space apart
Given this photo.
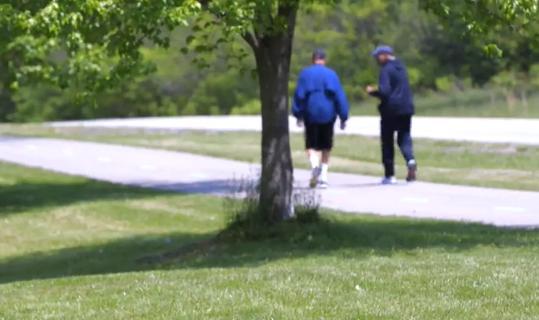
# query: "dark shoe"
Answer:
x=412 y=171
x=315 y=175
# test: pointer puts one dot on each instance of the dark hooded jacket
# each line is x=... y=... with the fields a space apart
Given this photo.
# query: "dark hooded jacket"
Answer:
x=396 y=98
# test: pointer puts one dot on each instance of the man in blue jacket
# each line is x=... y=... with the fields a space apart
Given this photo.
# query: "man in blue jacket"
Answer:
x=318 y=100
x=396 y=110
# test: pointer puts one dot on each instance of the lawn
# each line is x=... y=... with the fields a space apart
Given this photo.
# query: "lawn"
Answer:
x=487 y=165
x=72 y=248
x=468 y=103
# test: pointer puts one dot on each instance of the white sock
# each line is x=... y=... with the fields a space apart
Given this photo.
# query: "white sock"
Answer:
x=315 y=161
x=324 y=173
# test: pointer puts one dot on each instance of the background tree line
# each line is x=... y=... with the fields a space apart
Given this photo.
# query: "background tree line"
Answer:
x=449 y=68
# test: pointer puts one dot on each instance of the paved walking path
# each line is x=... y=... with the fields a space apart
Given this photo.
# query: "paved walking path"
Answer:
x=199 y=174
x=492 y=130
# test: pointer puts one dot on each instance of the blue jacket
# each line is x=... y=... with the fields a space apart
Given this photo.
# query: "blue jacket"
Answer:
x=319 y=96
x=394 y=90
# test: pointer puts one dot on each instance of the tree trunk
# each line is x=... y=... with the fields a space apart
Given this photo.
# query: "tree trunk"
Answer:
x=273 y=54
x=510 y=99
x=524 y=100
x=7 y=105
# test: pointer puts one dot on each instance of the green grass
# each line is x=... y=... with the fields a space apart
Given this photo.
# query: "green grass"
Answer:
x=469 y=103
x=487 y=165
x=71 y=248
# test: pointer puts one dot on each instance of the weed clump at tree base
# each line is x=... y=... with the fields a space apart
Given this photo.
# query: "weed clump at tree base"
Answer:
x=248 y=220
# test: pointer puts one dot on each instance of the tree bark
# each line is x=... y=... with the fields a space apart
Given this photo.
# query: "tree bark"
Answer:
x=273 y=53
x=7 y=105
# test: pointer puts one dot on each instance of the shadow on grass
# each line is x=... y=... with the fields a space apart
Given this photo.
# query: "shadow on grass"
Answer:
x=28 y=195
x=354 y=238
x=25 y=196
x=112 y=257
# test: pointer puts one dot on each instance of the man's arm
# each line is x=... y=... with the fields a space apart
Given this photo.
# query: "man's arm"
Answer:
x=384 y=86
x=343 y=108
x=373 y=92
x=298 y=103
x=341 y=102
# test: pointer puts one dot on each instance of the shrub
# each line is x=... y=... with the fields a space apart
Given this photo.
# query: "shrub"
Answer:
x=444 y=84
x=247 y=221
x=307 y=206
x=251 y=107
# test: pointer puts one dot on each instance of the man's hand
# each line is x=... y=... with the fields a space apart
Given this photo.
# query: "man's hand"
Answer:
x=343 y=125
x=370 y=89
x=299 y=123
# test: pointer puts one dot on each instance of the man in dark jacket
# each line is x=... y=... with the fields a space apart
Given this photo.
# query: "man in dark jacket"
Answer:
x=396 y=110
x=318 y=100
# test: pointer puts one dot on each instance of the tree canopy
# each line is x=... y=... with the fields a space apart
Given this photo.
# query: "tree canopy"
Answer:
x=103 y=48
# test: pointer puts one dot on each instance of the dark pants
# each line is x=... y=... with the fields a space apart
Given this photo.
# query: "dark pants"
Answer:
x=401 y=125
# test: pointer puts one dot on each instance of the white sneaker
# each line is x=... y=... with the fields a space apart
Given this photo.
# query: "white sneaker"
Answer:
x=323 y=184
x=314 y=177
x=389 y=180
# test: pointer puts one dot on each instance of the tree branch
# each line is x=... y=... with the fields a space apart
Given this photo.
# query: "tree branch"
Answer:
x=205 y=4
x=289 y=10
x=251 y=39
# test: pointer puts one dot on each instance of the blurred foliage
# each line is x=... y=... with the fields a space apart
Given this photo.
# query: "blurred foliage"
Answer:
x=207 y=69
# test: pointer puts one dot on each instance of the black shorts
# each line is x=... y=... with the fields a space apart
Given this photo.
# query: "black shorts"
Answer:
x=319 y=136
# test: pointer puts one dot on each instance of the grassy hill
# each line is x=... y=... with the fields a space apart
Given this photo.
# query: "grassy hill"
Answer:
x=468 y=103
x=72 y=248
